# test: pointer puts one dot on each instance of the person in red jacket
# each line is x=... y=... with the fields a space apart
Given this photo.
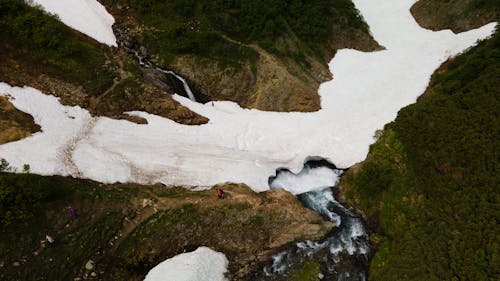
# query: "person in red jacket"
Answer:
x=220 y=193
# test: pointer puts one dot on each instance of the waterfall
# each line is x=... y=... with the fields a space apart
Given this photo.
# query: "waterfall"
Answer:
x=148 y=64
x=184 y=83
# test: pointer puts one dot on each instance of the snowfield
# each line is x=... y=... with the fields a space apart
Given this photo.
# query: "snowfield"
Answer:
x=201 y=265
x=241 y=145
x=87 y=16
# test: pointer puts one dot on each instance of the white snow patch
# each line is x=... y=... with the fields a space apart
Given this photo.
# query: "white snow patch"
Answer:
x=307 y=180
x=200 y=265
x=87 y=16
x=48 y=151
x=242 y=145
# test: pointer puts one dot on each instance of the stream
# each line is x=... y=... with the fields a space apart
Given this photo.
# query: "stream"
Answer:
x=173 y=78
x=344 y=254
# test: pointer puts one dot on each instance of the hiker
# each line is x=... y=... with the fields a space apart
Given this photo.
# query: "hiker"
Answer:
x=50 y=240
x=72 y=212
x=220 y=193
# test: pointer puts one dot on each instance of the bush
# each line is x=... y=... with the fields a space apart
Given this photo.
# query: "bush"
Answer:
x=44 y=39
x=431 y=178
x=195 y=26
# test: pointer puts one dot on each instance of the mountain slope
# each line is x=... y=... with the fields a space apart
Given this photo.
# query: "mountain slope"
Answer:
x=457 y=15
x=39 y=51
x=268 y=55
x=127 y=229
x=429 y=186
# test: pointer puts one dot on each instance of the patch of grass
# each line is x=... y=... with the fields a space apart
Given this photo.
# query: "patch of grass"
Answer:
x=459 y=15
x=195 y=27
x=184 y=228
x=36 y=38
x=308 y=272
x=33 y=206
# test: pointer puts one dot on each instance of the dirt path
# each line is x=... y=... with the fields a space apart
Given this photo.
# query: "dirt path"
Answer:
x=68 y=149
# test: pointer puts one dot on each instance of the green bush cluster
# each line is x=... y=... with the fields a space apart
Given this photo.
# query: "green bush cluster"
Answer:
x=30 y=32
x=19 y=197
x=432 y=179
x=196 y=26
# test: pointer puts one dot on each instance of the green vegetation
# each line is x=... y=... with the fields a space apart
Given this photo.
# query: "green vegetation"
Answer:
x=431 y=181
x=41 y=41
x=308 y=272
x=199 y=26
x=127 y=229
x=459 y=15
x=219 y=226
x=32 y=206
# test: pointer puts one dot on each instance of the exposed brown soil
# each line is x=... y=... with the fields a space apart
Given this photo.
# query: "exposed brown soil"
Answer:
x=14 y=124
x=274 y=84
x=127 y=229
x=247 y=244
x=270 y=83
x=456 y=15
x=18 y=69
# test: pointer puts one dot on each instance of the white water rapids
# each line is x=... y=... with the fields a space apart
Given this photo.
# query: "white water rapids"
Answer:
x=344 y=254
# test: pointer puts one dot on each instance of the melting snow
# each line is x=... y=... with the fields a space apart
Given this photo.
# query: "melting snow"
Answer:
x=87 y=16
x=200 y=265
x=242 y=145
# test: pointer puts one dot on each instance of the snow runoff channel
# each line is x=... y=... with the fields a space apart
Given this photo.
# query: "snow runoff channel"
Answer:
x=241 y=145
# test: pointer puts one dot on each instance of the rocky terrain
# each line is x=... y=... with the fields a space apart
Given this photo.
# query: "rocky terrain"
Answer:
x=122 y=231
x=106 y=81
x=14 y=124
x=243 y=71
x=457 y=15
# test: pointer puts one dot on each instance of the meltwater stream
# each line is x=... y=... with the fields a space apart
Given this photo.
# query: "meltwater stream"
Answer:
x=344 y=253
x=144 y=62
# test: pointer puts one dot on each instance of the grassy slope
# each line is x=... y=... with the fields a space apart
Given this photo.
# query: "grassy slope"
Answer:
x=429 y=186
x=42 y=44
x=458 y=15
x=195 y=26
x=127 y=229
x=268 y=55
x=38 y=50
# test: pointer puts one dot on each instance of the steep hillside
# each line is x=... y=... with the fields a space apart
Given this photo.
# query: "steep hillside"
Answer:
x=269 y=55
x=457 y=15
x=14 y=124
x=37 y=50
x=125 y=230
x=429 y=186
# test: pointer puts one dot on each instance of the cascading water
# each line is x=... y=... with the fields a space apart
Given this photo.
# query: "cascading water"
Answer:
x=148 y=64
x=344 y=254
x=144 y=62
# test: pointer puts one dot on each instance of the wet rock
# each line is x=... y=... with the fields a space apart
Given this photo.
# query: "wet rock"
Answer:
x=90 y=265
